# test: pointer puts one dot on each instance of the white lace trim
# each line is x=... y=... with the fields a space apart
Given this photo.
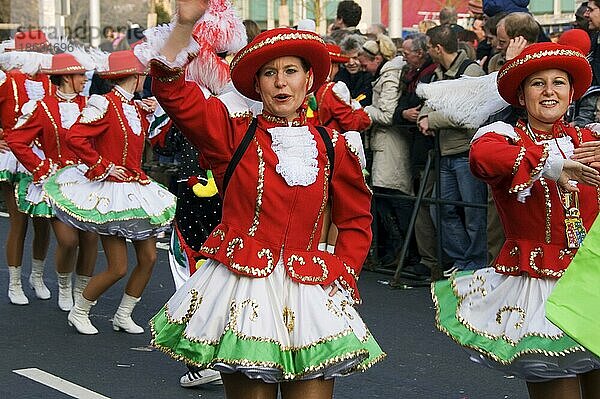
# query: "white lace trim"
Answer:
x=35 y=90
x=133 y=118
x=553 y=164
x=95 y=109
x=69 y=112
x=296 y=150
x=26 y=111
x=156 y=38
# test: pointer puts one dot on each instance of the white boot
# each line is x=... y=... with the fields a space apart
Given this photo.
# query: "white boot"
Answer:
x=36 y=281
x=79 y=316
x=81 y=282
x=15 y=290
x=65 y=291
x=122 y=319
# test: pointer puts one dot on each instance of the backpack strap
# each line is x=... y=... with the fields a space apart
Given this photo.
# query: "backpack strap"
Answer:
x=329 y=146
x=463 y=67
x=237 y=155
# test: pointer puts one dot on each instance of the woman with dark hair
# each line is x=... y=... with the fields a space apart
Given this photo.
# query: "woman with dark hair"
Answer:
x=110 y=194
x=547 y=201
x=268 y=309
x=47 y=122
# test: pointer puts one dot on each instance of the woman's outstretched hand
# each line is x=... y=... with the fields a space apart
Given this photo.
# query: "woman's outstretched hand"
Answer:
x=190 y=11
x=588 y=153
x=573 y=170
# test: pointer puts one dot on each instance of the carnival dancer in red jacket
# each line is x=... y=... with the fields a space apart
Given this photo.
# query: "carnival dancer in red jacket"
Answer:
x=547 y=201
x=19 y=83
x=110 y=194
x=335 y=108
x=47 y=122
x=338 y=111
x=268 y=308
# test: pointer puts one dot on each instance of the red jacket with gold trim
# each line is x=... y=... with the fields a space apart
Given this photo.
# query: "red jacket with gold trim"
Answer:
x=264 y=218
x=529 y=203
x=336 y=112
x=103 y=137
x=44 y=123
x=14 y=94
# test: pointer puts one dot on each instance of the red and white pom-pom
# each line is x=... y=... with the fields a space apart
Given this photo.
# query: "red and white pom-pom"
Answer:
x=219 y=30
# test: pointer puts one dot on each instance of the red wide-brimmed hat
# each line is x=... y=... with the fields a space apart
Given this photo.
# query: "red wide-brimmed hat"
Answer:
x=541 y=56
x=31 y=40
x=64 y=64
x=335 y=53
x=122 y=64
x=275 y=43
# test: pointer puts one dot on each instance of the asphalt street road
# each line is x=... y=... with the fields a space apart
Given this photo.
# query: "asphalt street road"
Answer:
x=41 y=354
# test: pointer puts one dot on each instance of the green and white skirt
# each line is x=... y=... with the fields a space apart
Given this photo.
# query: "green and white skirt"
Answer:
x=11 y=170
x=271 y=328
x=126 y=209
x=31 y=198
x=501 y=321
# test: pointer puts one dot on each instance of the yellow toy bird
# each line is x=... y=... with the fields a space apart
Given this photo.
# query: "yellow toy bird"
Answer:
x=203 y=190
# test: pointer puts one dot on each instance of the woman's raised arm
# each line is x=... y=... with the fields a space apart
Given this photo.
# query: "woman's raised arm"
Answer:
x=188 y=13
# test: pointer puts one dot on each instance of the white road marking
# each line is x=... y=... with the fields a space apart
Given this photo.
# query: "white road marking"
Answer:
x=59 y=384
x=3 y=214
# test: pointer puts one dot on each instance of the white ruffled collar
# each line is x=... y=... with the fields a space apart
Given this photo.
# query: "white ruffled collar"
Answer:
x=65 y=96
x=296 y=150
x=128 y=96
x=35 y=90
x=129 y=110
x=69 y=112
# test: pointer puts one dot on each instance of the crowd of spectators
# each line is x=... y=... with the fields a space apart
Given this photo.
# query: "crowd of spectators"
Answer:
x=383 y=72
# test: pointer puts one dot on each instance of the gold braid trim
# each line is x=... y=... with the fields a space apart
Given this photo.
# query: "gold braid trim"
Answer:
x=535 y=171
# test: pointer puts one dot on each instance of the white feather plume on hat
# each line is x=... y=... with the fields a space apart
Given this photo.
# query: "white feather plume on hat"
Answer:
x=28 y=62
x=467 y=101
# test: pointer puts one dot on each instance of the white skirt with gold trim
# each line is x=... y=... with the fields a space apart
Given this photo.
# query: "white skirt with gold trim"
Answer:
x=271 y=328
x=501 y=320
x=127 y=209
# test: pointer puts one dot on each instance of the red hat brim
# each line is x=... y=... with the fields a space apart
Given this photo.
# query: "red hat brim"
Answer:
x=121 y=65
x=541 y=56
x=335 y=54
x=275 y=43
x=64 y=64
